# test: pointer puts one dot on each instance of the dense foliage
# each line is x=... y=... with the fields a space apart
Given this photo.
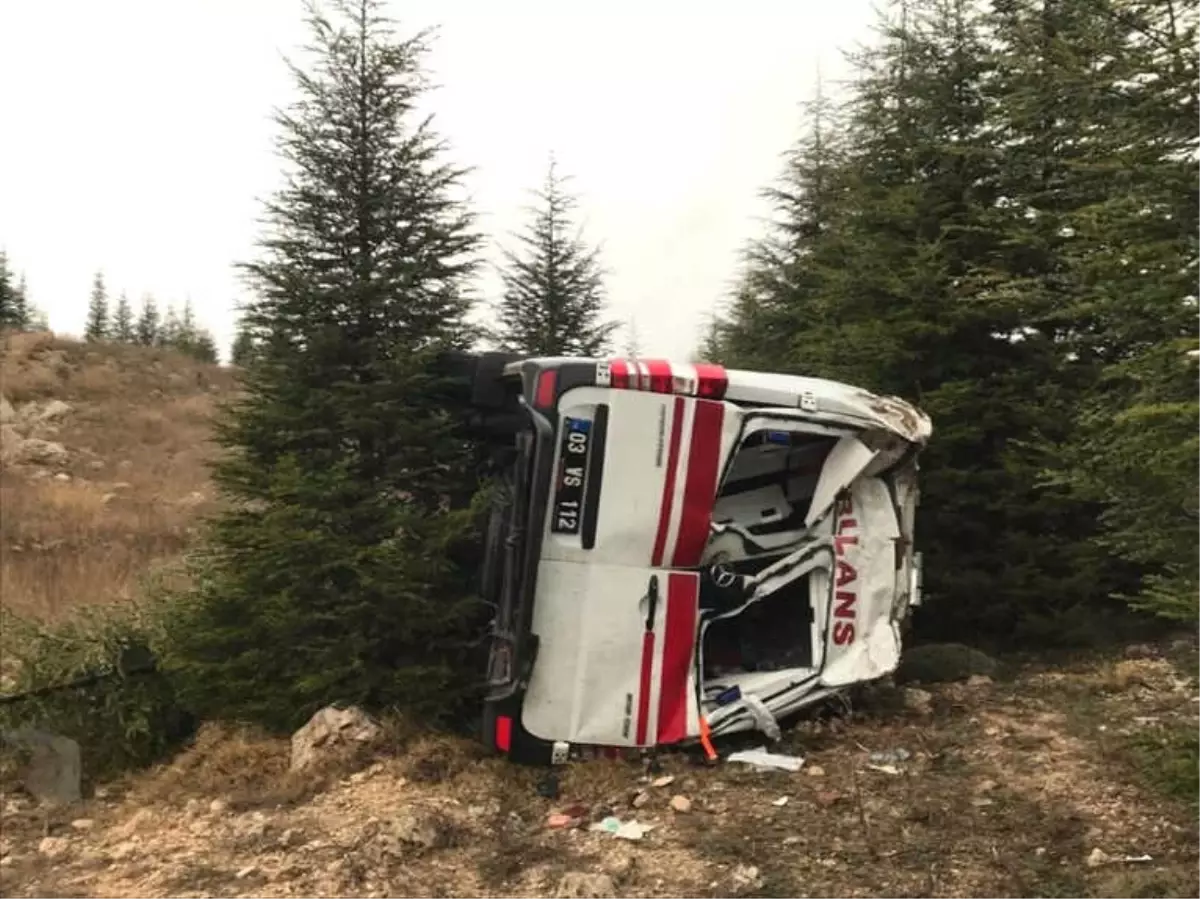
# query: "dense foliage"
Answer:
x=338 y=572
x=999 y=223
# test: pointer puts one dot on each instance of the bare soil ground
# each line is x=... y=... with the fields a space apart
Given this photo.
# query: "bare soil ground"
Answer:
x=1049 y=783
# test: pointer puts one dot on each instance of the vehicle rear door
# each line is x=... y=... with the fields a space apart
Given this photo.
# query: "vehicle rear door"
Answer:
x=616 y=610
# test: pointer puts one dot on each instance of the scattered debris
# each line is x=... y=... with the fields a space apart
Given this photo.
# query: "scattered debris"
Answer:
x=248 y=871
x=622 y=830
x=82 y=824
x=978 y=680
x=640 y=799
x=665 y=781
x=560 y=821
x=1097 y=857
x=815 y=771
x=884 y=769
x=780 y=802
x=827 y=798
x=889 y=756
x=767 y=761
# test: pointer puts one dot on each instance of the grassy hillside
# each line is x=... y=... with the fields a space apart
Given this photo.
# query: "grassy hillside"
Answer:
x=124 y=480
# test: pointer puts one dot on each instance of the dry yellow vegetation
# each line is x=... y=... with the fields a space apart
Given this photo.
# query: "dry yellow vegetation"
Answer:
x=134 y=480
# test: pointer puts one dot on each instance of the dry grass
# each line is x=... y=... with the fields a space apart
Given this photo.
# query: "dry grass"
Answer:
x=138 y=436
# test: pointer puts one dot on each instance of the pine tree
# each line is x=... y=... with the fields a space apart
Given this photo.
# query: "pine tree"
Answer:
x=8 y=313
x=337 y=573
x=242 y=351
x=1128 y=262
x=553 y=301
x=123 y=329
x=632 y=348
x=147 y=328
x=97 y=317
x=171 y=330
x=785 y=270
x=22 y=313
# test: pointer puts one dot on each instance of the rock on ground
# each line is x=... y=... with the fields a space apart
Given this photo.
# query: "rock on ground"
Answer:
x=580 y=885
x=329 y=729
x=53 y=773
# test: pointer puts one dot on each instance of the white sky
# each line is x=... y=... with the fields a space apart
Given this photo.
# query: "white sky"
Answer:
x=136 y=135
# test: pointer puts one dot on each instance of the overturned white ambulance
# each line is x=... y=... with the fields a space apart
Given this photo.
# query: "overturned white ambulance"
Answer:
x=684 y=551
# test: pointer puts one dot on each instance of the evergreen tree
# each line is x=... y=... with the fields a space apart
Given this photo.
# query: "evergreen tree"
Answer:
x=123 y=326
x=147 y=328
x=97 y=317
x=336 y=574
x=553 y=299
x=8 y=312
x=633 y=345
x=1129 y=259
x=171 y=330
x=22 y=312
x=242 y=351
x=903 y=271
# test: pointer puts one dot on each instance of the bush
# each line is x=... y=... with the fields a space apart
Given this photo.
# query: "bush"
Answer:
x=94 y=678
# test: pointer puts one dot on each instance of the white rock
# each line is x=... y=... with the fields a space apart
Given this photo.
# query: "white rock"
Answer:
x=53 y=773
x=681 y=804
x=328 y=728
x=82 y=823
x=35 y=451
x=1097 y=857
x=580 y=885
x=53 y=410
x=745 y=878
x=53 y=847
x=918 y=700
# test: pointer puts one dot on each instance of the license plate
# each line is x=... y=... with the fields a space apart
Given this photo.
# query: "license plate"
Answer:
x=574 y=452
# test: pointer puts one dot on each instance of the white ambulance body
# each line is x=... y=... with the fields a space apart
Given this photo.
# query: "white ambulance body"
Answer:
x=693 y=551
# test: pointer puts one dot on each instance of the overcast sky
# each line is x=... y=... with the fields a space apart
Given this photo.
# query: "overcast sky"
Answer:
x=137 y=136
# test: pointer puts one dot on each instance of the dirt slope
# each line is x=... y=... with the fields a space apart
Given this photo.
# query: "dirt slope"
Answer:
x=1035 y=786
x=102 y=466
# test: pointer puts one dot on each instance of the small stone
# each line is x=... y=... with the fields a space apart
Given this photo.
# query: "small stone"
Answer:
x=978 y=680
x=982 y=802
x=82 y=824
x=744 y=878
x=1097 y=857
x=53 y=847
x=815 y=771
x=248 y=871
x=918 y=700
x=640 y=799
x=681 y=804
x=665 y=781
x=62 y=477
x=218 y=806
x=986 y=786
x=780 y=802
x=580 y=885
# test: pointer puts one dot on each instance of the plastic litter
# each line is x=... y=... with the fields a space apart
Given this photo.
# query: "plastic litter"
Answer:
x=622 y=830
x=762 y=760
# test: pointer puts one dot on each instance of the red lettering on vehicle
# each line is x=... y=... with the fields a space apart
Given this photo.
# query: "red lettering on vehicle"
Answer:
x=846 y=600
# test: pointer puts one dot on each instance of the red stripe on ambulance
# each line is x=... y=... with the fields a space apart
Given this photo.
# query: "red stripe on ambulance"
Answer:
x=679 y=641
x=659 y=371
x=643 y=710
x=700 y=487
x=668 y=493
x=619 y=374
